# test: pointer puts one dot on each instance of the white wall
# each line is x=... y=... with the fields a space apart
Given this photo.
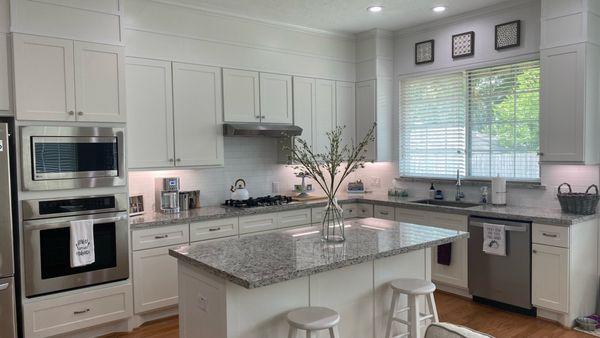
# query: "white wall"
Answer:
x=172 y=31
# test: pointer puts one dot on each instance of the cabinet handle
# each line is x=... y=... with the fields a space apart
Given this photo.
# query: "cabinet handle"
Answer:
x=161 y=236
x=71 y=112
x=384 y=212
x=3 y=286
x=549 y=235
x=540 y=153
x=257 y=116
x=80 y=312
x=214 y=229
x=534 y=251
x=79 y=113
x=178 y=160
x=262 y=116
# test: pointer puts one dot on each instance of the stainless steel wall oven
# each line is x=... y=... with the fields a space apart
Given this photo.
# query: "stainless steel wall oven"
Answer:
x=56 y=157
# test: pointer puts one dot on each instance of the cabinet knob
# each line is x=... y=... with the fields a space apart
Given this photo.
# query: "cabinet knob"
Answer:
x=170 y=160
x=534 y=251
x=178 y=160
x=79 y=113
x=257 y=116
x=71 y=112
x=262 y=116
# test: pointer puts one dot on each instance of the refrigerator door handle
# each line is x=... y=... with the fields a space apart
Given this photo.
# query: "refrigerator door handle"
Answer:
x=4 y=286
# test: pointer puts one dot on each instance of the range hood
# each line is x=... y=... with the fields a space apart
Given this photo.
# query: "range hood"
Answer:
x=263 y=129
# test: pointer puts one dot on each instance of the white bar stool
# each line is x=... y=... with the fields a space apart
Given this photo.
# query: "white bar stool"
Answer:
x=413 y=288
x=312 y=319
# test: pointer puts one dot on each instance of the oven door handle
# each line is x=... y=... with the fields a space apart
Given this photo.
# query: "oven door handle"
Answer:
x=63 y=222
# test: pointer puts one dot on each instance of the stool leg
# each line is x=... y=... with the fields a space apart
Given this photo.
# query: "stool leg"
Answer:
x=388 y=331
x=334 y=332
x=415 y=327
x=292 y=332
x=309 y=334
x=433 y=308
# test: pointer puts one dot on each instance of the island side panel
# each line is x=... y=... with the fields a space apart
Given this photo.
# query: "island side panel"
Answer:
x=202 y=306
x=414 y=264
x=348 y=290
x=261 y=312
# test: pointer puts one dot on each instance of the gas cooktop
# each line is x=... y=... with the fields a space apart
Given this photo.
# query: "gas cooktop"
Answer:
x=259 y=201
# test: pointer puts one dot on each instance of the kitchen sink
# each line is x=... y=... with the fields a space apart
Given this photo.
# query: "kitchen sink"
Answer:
x=444 y=203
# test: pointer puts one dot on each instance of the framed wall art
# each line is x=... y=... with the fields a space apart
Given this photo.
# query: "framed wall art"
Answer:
x=508 y=35
x=424 y=52
x=463 y=44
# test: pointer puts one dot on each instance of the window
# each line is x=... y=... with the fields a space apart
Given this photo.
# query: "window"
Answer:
x=483 y=122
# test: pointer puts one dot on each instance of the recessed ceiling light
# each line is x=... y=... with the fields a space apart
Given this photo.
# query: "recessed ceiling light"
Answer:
x=375 y=9
x=439 y=9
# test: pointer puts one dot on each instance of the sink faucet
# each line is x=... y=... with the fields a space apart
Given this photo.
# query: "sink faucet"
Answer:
x=459 y=194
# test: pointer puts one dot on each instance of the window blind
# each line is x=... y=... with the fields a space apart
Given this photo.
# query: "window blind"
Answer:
x=432 y=134
x=503 y=121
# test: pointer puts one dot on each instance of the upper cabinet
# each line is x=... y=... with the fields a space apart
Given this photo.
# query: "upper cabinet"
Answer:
x=4 y=79
x=373 y=105
x=62 y=80
x=276 y=98
x=257 y=97
x=304 y=106
x=241 y=99
x=366 y=109
x=345 y=111
x=181 y=104
x=324 y=118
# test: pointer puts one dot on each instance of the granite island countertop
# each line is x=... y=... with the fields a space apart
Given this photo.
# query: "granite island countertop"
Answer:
x=264 y=259
x=553 y=216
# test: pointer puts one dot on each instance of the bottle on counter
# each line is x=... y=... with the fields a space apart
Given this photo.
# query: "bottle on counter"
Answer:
x=484 y=194
x=431 y=191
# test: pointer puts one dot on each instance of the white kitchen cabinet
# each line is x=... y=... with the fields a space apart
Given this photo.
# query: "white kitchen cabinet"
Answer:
x=99 y=82
x=345 y=111
x=201 y=231
x=304 y=106
x=324 y=118
x=570 y=77
x=350 y=210
x=550 y=277
x=44 y=78
x=150 y=108
x=197 y=115
x=384 y=212
x=155 y=237
x=256 y=223
x=241 y=98
x=364 y=210
x=276 y=98
x=154 y=279
x=62 y=80
x=4 y=79
x=293 y=218
x=366 y=108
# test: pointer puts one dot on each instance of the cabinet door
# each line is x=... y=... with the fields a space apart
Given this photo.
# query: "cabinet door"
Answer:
x=345 y=112
x=304 y=106
x=293 y=218
x=276 y=98
x=197 y=115
x=44 y=78
x=4 y=93
x=154 y=279
x=455 y=274
x=562 y=100
x=150 y=113
x=550 y=277
x=324 y=114
x=241 y=101
x=384 y=212
x=99 y=82
x=365 y=113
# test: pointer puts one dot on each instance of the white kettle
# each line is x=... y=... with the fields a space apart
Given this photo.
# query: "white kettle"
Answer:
x=239 y=191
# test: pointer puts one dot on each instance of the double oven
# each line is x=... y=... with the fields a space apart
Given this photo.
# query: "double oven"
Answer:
x=74 y=158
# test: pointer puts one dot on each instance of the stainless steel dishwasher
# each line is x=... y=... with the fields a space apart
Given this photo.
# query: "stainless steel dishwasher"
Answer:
x=503 y=281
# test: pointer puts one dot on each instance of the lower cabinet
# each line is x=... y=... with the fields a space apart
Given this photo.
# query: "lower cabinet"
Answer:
x=154 y=279
x=256 y=223
x=383 y=212
x=550 y=277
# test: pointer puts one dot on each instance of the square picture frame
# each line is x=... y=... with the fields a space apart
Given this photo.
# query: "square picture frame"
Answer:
x=463 y=44
x=507 y=35
x=424 y=52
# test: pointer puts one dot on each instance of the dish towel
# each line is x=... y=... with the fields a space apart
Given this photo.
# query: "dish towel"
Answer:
x=444 y=254
x=82 y=243
x=494 y=239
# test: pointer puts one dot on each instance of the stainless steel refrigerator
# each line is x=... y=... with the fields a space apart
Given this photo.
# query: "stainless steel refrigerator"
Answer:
x=7 y=263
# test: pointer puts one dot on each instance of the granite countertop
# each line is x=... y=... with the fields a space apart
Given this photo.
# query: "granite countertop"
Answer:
x=552 y=216
x=264 y=259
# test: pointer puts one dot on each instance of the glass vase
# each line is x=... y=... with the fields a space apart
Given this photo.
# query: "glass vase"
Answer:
x=332 y=226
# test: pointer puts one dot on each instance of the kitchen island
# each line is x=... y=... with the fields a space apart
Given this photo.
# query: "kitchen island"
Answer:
x=243 y=287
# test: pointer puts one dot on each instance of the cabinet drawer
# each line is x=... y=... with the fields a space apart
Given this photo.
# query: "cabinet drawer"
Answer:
x=550 y=235
x=162 y=236
x=317 y=214
x=294 y=217
x=448 y=221
x=411 y=216
x=200 y=231
x=383 y=212
x=350 y=210
x=59 y=315
x=364 y=210
x=256 y=223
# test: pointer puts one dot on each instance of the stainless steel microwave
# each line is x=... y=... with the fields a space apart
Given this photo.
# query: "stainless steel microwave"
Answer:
x=57 y=157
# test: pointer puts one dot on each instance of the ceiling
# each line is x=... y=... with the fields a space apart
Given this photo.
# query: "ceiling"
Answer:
x=344 y=16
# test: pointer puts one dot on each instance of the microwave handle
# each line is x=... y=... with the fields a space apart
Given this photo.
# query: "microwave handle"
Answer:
x=63 y=222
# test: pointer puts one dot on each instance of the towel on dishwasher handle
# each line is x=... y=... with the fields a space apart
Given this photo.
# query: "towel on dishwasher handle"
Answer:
x=494 y=239
x=82 y=243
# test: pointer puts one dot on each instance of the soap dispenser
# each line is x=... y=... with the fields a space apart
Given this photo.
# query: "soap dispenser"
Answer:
x=431 y=191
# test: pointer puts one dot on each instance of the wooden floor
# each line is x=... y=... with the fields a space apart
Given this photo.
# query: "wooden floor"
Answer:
x=451 y=308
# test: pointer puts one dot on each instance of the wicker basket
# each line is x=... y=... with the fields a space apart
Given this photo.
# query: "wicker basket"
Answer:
x=577 y=202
